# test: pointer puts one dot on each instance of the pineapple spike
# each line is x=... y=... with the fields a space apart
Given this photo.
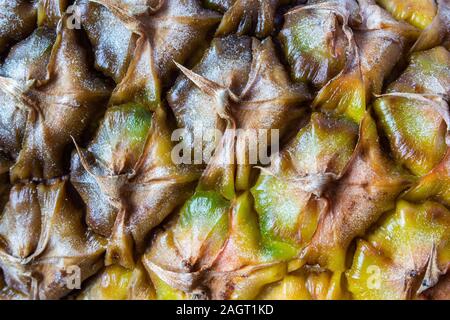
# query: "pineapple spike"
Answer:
x=432 y=273
x=434 y=185
x=408 y=250
x=18 y=91
x=67 y=71
x=344 y=94
x=118 y=283
x=418 y=13
x=244 y=16
x=318 y=54
x=333 y=236
x=435 y=101
x=138 y=170
x=18 y=21
x=221 y=94
x=184 y=281
x=57 y=239
x=343 y=10
x=49 y=12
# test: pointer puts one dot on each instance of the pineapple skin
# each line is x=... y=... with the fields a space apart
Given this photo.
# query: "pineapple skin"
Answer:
x=354 y=205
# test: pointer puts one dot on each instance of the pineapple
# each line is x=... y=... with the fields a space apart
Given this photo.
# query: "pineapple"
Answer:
x=347 y=198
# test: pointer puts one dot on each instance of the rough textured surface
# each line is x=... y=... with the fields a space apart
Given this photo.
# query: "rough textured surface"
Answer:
x=98 y=188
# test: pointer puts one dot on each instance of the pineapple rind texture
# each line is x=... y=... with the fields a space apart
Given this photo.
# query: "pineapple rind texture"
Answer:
x=353 y=202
